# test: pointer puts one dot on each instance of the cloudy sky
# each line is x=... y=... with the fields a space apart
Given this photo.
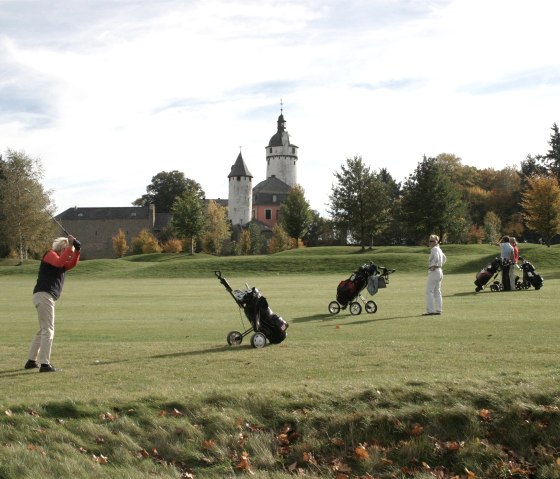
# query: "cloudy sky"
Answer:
x=108 y=93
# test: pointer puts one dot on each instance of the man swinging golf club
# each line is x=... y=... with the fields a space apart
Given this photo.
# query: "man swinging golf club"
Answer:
x=63 y=256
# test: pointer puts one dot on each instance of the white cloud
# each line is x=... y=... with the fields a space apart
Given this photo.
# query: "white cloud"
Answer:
x=108 y=94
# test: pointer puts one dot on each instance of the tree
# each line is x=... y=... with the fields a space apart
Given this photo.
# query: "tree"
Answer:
x=25 y=207
x=217 y=228
x=165 y=188
x=431 y=203
x=245 y=242
x=541 y=206
x=551 y=161
x=257 y=242
x=356 y=201
x=280 y=240
x=295 y=214
x=492 y=227
x=188 y=216
x=119 y=244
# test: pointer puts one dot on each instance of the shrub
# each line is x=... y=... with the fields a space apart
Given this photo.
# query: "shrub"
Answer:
x=173 y=245
x=145 y=242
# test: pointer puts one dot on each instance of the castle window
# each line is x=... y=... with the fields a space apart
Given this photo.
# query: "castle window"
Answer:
x=268 y=214
x=274 y=198
x=294 y=151
x=80 y=214
x=239 y=178
x=270 y=150
x=132 y=214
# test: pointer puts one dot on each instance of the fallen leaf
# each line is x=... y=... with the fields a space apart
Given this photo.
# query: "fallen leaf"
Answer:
x=336 y=441
x=176 y=413
x=361 y=452
x=101 y=459
x=485 y=414
x=208 y=444
x=308 y=457
x=416 y=430
x=8 y=412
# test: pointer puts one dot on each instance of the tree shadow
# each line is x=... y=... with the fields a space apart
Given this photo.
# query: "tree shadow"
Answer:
x=334 y=317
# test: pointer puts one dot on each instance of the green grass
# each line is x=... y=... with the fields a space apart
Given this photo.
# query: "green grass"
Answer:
x=144 y=340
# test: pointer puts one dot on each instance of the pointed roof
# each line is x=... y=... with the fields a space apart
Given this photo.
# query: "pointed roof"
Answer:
x=239 y=168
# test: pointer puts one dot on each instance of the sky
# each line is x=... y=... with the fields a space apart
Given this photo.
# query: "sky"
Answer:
x=109 y=93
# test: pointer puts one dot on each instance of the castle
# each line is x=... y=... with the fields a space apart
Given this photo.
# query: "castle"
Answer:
x=260 y=204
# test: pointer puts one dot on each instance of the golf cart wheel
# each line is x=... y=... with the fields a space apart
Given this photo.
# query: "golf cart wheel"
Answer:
x=234 y=338
x=334 y=307
x=258 y=340
x=371 y=307
x=355 y=308
x=494 y=287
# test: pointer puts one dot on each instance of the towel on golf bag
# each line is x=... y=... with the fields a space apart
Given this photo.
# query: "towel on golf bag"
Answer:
x=374 y=283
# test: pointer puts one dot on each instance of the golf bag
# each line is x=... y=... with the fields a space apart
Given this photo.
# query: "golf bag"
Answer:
x=265 y=324
x=485 y=274
x=349 y=290
x=530 y=276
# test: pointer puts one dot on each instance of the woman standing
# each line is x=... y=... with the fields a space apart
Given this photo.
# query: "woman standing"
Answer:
x=437 y=259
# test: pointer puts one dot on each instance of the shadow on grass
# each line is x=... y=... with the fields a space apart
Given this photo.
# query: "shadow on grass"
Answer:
x=14 y=372
x=334 y=317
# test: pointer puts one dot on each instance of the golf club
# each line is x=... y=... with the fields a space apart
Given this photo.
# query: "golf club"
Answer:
x=54 y=219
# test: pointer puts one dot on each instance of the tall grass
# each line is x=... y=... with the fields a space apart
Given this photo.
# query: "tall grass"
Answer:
x=149 y=383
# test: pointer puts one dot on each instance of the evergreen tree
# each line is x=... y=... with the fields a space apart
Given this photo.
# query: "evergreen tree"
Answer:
x=431 y=203
x=357 y=201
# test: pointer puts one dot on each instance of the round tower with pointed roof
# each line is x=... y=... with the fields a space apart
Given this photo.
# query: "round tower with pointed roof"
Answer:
x=281 y=155
x=240 y=193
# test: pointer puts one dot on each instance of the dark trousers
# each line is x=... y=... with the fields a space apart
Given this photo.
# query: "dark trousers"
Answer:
x=505 y=277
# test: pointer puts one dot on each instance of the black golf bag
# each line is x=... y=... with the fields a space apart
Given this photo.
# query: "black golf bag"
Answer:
x=530 y=276
x=485 y=274
x=265 y=324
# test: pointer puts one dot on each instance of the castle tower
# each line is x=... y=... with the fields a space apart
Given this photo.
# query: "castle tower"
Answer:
x=240 y=193
x=281 y=155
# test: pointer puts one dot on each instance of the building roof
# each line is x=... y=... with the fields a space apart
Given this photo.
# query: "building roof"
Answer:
x=105 y=213
x=272 y=185
x=239 y=168
x=281 y=137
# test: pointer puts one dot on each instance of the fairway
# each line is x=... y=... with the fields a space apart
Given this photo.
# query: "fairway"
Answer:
x=117 y=339
x=150 y=388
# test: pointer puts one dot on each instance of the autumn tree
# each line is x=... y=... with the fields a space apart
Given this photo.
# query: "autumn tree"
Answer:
x=295 y=214
x=541 y=206
x=431 y=203
x=280 y=240
x=245 y=242
x=492 y=227
x=189 y=215
x=217 y=228
x=120 y=247
x=165 y=188
x=26 y=225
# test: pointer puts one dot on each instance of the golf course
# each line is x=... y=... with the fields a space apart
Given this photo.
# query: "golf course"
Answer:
x=149 y=387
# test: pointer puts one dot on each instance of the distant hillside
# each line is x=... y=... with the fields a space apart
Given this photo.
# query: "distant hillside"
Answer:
x=340 y=260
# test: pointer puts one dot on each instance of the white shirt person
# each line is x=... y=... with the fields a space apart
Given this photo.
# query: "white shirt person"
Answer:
x=434 y=302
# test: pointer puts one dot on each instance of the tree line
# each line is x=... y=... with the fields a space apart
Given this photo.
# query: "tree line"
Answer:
x=462 y=204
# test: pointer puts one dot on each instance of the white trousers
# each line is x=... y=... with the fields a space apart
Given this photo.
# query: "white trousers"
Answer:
x=41 y=345
x=433 y=291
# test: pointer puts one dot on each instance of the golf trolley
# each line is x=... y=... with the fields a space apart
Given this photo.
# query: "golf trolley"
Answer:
x=530 y=276
x=349 y=291
x=265 y=325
